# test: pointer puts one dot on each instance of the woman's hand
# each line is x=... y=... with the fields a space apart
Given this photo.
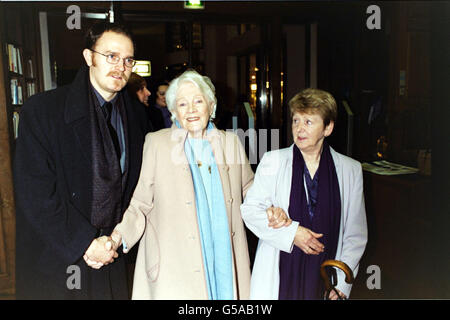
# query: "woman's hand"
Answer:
x=116 y=239
x=334 y=296
x=277 y=218
x=306 y=240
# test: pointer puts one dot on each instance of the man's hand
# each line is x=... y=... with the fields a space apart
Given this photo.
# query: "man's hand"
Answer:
x=277 y=218
x=102 y=251
x=307 y=241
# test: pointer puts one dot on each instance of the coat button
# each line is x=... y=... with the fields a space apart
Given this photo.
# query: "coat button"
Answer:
x=230 y=200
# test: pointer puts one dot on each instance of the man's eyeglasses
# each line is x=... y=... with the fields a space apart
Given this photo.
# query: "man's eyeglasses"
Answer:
x=115 y=59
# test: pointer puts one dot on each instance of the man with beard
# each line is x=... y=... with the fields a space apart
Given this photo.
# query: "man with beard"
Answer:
x=77 y=162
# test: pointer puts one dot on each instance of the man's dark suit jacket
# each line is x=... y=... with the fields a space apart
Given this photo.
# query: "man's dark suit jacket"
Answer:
x=53 y=192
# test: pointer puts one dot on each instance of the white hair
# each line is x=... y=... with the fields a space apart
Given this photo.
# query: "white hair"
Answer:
x=202 y=82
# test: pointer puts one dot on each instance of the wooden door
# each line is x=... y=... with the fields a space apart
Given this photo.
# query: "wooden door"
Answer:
x=19 y=28
x=7 y=210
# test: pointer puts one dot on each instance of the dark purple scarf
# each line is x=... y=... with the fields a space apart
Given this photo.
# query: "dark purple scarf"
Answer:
x=108 y=180
x=299 y=272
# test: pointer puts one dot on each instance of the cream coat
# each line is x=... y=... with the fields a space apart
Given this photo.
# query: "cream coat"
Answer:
x=272 y=186
x=162 y=211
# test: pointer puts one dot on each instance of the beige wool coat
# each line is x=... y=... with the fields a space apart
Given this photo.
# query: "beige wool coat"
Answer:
x=162 y=214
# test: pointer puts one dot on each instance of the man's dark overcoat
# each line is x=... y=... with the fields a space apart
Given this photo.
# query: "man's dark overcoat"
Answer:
x=53 y=192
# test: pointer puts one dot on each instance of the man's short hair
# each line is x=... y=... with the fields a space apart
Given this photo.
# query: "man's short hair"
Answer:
x=97 y=30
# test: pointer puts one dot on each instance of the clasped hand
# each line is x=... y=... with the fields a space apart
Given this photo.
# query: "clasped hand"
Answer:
x=102 y=251
x=277 y=218
x=305 y=239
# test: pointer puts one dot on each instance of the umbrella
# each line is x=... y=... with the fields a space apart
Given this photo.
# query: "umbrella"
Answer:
x=330 y=285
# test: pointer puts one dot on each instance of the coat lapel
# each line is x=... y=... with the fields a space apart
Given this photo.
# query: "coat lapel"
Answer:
x=338 y=166
x=182 y=171
x=76 y=113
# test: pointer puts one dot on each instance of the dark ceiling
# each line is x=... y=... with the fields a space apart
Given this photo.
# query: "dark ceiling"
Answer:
x=216 y=11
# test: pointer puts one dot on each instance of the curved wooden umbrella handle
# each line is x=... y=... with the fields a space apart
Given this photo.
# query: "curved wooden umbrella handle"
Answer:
x=338 y=264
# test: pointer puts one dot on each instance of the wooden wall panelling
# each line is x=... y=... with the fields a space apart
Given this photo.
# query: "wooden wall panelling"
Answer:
x=7 y=211
x=409 y=104
x=19 y=28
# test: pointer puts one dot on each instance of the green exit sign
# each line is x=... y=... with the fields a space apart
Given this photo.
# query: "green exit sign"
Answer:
x=194 y=4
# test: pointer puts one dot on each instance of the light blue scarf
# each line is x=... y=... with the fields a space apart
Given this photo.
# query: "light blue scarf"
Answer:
x=212 y=218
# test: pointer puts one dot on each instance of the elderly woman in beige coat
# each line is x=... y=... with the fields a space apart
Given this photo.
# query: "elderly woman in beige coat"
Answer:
x=186 y=206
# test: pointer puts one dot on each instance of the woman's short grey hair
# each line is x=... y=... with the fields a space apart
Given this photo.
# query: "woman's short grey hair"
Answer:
x=202 y=82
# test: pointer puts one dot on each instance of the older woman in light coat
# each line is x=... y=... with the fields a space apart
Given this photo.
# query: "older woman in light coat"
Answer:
x=321 y=190
x=186 y=206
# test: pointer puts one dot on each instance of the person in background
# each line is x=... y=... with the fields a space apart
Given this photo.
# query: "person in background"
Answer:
x=137 y=88
x=77 y=162
x=186 y=204
x=161 y=105
x=321 y=191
